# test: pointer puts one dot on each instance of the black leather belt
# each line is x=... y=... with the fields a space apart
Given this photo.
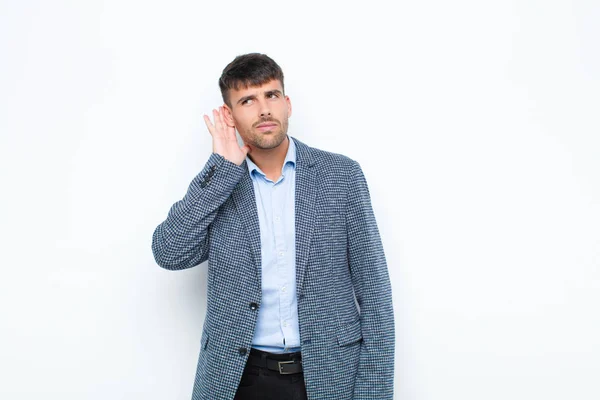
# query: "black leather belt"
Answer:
x=285 y=364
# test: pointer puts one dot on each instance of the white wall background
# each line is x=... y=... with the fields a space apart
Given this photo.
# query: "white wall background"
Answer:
x=476 y=123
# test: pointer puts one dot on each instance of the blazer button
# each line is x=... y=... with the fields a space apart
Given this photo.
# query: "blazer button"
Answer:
x=253 y=306
x=243 y=351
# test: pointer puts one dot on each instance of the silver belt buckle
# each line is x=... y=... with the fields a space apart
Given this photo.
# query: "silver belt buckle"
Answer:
x=280 y=366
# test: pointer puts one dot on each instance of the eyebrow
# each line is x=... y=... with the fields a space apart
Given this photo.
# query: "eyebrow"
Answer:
x=274 y=91
x=267 y=93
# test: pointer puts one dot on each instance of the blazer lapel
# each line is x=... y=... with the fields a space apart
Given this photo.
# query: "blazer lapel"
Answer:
x=305 y=211
x=245 y=202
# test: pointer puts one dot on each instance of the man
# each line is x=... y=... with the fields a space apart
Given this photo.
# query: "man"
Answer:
x=299 y=296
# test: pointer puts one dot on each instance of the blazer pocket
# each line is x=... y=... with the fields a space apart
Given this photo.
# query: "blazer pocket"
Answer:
x=329 y=220
x=204 y=340
x=349 y=333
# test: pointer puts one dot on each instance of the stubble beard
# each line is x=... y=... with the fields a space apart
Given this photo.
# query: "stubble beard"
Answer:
x=266 y=141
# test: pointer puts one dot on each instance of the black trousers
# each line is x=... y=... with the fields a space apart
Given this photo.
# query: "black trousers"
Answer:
x=260 y=383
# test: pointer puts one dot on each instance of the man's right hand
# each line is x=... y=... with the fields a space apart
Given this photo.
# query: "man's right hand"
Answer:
x=224 y=139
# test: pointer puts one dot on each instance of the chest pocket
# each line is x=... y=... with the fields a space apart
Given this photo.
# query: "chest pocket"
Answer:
x=330 y=220
x=350 y=333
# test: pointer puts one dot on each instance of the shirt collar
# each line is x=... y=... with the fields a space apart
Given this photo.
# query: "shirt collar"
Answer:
x=290 y=157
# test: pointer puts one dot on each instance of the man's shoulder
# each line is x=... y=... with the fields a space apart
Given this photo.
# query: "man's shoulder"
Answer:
x=325 y=158
x=333 y=158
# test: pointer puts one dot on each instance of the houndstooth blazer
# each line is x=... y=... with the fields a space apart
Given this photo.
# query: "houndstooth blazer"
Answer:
x=344 y=294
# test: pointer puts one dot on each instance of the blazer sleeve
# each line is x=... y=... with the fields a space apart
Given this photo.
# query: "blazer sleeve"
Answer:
x=180 y=241
x=372 y=288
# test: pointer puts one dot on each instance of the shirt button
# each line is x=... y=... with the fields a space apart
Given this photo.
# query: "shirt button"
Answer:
x=283 y=289
x=253 y=306
x=281 y=254
x=277 y=218
x=242 y=351
x=284 y=324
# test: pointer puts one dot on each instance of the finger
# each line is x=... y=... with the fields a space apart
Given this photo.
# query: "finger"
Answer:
x=209 y=124
x=245 y=149
x=224 y=122
x=218 y=126
x=226 y=130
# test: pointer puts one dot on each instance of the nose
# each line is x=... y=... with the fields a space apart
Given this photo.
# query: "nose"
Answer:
x=265 y=111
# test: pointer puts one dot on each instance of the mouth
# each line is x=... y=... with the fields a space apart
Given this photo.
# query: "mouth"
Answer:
x=266 y=126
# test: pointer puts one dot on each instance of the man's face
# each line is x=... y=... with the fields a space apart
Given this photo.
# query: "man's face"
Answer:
x=260 y=114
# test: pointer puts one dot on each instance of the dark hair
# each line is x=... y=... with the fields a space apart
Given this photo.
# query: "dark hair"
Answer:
x=253 y=69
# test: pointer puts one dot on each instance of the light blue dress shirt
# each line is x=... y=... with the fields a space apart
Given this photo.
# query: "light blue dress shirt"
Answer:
x=277 y=326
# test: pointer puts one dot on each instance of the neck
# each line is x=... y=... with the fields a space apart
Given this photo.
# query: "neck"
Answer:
x=270 y=161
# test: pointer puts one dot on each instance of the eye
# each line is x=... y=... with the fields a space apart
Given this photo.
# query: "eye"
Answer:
x=247 y=101
x=273 y=95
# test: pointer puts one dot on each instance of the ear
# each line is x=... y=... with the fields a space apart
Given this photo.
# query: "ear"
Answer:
x=228 y=116
x=289 y=105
